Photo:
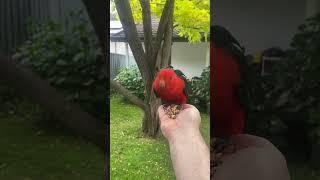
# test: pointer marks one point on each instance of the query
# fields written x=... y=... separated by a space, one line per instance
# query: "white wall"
x=118 y=48
x=313 y=7
x=260 y=24
x=123 y=48
x=190 y=58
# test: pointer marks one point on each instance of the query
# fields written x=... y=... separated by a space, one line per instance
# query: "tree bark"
x=147 y=28
x=167 y=44
x=150 y=125
x=98 y=13
x=166 y=15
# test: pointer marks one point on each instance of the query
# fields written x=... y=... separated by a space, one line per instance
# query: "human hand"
x=189 y=153
x=255 y=158
x=187 y=121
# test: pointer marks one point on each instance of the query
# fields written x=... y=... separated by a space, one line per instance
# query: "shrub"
x=131 y=79
x=289 y=103
x=200 y=90
x=70 y=59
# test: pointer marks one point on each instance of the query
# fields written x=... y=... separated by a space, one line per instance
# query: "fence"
x=14 y=15
x=118 y=61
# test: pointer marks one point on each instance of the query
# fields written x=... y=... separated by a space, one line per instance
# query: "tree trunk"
x=150 y=125
x=155 y=57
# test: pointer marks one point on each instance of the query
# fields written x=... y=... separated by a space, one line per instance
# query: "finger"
x=187 y=106
x=250 y=140
x=190 y=107
x=161 y=112
x=163 y=116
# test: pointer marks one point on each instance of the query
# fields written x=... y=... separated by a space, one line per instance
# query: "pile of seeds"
x=172 y=110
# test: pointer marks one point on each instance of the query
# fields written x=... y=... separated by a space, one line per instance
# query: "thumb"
x=161 y=112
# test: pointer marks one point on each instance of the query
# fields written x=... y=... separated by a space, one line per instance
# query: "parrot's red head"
x=169 y=87
x=166 y=79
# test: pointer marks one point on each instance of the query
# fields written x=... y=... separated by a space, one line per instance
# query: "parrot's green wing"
x=223 y=38
x=187 y=88
x=155 y=93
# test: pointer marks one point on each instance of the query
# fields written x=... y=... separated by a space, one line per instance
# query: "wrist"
x=184 y=136
x=190 y=155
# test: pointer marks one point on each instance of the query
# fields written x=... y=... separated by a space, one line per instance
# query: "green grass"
x=29 y=152
x=134 y=156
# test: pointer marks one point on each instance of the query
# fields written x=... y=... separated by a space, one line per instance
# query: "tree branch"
x=167 y=43
x=166 y=13
x=126 y=93
x=147 y=28
x=130 y=29
x=97 y=12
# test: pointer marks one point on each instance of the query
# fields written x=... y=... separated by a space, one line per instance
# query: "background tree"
x=191 y=18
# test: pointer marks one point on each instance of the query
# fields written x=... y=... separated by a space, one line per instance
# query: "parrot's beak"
x=162 y=84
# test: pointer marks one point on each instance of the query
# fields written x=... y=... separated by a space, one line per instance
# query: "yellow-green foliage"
x=191 y=17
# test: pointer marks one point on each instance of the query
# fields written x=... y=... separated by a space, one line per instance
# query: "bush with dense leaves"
x=69 y=59
x=200 y=90
x=287 y=109
x=130 y=78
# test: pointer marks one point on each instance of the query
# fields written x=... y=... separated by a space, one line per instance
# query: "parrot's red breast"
x=169 y=87
x=227 y=114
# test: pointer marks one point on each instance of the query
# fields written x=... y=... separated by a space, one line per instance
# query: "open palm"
x=187 y=120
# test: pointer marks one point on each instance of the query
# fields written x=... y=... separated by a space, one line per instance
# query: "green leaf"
x=78 y=57
x=61 y=62
x=88 y=83
x=191 y=17
x=60 y=80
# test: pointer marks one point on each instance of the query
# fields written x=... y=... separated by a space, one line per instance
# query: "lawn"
x=134 y=156
x=31 y=152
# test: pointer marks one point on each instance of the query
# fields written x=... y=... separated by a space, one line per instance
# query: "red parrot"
x=170 y=87
x=228 y=116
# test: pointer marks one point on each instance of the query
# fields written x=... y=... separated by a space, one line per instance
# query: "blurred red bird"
x=227 y=113
x=170 y=87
